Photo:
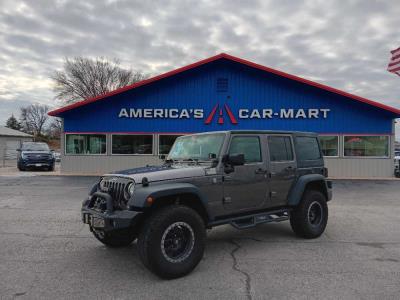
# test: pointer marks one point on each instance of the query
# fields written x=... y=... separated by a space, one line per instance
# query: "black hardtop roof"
x=272 y=132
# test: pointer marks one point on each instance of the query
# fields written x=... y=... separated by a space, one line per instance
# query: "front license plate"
x=38 y=165
x=97 y=222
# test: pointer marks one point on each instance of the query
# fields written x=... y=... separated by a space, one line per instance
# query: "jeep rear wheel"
x=309 y=218
x=172 y=241
x=120 y=238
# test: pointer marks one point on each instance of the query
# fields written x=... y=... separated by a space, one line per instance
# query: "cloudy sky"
x=344 y=44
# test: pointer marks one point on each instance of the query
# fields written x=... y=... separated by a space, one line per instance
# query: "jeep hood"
x=159 y=173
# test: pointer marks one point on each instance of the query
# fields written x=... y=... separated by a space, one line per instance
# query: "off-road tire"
x=303 y=222
x=51 y=169
x=21 y=169
x=152 y=241
x=115 y=239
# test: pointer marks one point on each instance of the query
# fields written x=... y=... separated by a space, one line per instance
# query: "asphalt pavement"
x=46 y=252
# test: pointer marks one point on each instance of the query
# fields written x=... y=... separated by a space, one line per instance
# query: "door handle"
x=290 y=168
x=260 y=171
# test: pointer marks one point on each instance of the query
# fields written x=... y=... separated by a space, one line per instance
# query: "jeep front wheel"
x=172 y=241
x=115 y=239
x=309 y=218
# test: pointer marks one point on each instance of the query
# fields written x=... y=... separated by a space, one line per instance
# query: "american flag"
x=394 y=63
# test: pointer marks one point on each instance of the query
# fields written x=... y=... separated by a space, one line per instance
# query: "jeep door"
x=246 y=187
x=282 y=167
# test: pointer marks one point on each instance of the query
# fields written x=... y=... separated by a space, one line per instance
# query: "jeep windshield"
x=201 y=147
x=35 y=147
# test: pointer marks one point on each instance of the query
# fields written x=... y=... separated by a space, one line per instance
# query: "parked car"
x=241 y=178
x=35 y=155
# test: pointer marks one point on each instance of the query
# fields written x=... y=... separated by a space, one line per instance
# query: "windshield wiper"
x=171 y=161
x=197 y=161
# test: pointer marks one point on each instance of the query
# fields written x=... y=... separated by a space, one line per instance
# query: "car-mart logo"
x=221 y=115
x=222 y=112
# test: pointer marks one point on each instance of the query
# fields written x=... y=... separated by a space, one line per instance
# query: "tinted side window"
x=280 y=148
x=247 y=145
x=307 y=148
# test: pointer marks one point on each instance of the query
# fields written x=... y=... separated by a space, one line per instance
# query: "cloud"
x=345 y=46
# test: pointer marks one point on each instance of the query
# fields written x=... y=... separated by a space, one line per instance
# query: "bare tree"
x=84 y=78
x=33 y=118
x=54 y=128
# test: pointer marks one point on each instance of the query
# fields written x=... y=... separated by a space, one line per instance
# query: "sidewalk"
x=14 y=172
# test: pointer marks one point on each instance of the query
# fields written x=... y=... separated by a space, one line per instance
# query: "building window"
x=132 y=144
x=85 y=144
x=165 y=143
x=307 y=148
x=280 y=148
x=247 y=145
x=329 y=145
x=366 y=146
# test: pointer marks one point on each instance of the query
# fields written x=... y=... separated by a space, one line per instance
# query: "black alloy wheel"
x=315 y=214
x=310 y=217
x=177 y=242
x=172 y=241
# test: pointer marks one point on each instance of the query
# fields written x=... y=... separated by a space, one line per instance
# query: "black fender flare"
x=298 y=188
x=141 y=194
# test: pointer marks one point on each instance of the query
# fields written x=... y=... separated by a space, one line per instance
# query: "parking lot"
x=46 y=252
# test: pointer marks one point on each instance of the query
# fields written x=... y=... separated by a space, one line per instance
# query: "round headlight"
x=131 y=188
x=102 y=184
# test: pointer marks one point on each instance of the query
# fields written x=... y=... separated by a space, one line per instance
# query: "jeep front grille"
x=116 y=187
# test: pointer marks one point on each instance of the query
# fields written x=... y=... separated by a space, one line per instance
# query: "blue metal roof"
x=241 y=97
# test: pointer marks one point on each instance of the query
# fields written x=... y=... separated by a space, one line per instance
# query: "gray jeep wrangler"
x=241 y=178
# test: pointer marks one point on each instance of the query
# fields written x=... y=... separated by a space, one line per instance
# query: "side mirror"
x=212 y=156
x=19 y=149
x=236 y=160
x=162 y=156
x=52 y=150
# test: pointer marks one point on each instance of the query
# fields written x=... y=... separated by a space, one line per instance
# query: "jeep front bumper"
x=108 y=220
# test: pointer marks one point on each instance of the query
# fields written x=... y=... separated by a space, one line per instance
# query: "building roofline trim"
x=58 y=111
x=5 y=131
x=192 y=132
x=17 y=136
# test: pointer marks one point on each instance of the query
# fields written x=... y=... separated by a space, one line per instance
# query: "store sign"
x=220 y=112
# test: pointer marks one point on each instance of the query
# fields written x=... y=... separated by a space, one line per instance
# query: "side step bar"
x=252 y=220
